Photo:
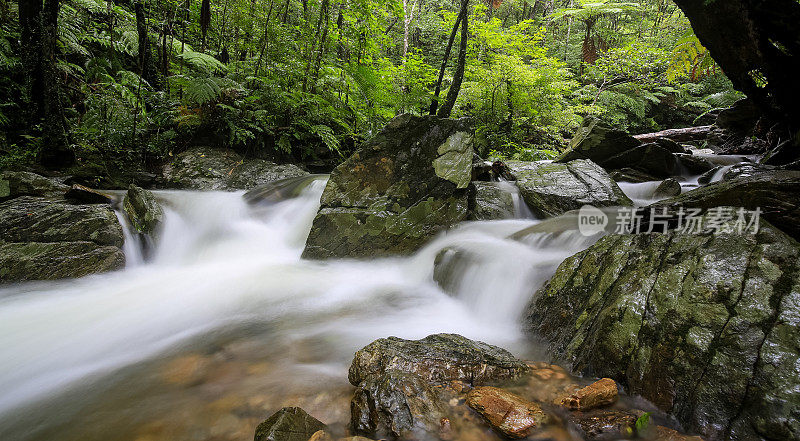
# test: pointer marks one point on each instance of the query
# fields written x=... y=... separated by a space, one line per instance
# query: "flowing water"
x=224 y=323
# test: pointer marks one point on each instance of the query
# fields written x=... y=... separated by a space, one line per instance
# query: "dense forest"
x=109 y=88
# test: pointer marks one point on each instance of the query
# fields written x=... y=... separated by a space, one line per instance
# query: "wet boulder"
x=491 y=201
x=205 y=168
x=397 y=404
x=53 y=239
x=396 y=191
x=288 y=424
x=703 y=325
x=143 y=210
x=399 y=391
x=551 y=189
x=437 y=358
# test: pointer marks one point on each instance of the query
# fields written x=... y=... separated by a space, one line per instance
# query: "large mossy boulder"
x=703 y=325
x=775 y=192
x=396 y=191
x=20 y=183
x=288 y=424
x=143 y=210
x=551 y=189
x=399 y=391
x=205 y=168
x=53 y=239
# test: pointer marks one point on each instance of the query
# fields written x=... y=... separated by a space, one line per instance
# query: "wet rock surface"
x=399 y=189
x=491 y=201
x=702 y=325
x=551 y=189
x=288 y=424
x=143 y=210
x=205 y=168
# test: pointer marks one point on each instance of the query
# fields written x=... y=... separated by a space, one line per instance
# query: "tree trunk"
x=146 y=68
x=435 y=102
x=39 y=32
x=458 y=75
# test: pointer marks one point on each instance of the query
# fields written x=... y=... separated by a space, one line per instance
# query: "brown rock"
x=509 y=414
x=598 y=394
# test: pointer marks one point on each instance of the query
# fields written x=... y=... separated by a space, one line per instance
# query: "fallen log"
x=678 y=135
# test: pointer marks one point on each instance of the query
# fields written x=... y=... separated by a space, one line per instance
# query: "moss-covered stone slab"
x=705 y=326
x=396 y=191
x=598 y=143
x=53 y=239
x=551 y=189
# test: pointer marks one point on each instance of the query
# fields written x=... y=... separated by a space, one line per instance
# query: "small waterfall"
x=640 y=193
x=521 y=209
x=226 y=284
x=133 y=245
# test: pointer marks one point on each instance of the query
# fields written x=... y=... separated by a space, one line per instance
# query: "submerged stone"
x=507 y=413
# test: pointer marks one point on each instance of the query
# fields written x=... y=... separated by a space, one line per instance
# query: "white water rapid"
x=226 y=323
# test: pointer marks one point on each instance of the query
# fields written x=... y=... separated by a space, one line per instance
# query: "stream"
x=224 y=323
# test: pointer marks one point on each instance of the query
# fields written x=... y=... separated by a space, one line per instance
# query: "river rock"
x=551 y=189
x=52 y=239
x=143 y=210
x=396 y=191
x=491 y=201
x=438 y=358
x=507 y=413
x=776 y=193
x=601 y=393
x=205 y=168
x=399 y=391
x=598 y=143
x=20 y=183
x=703 y=325
x=288 y=424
